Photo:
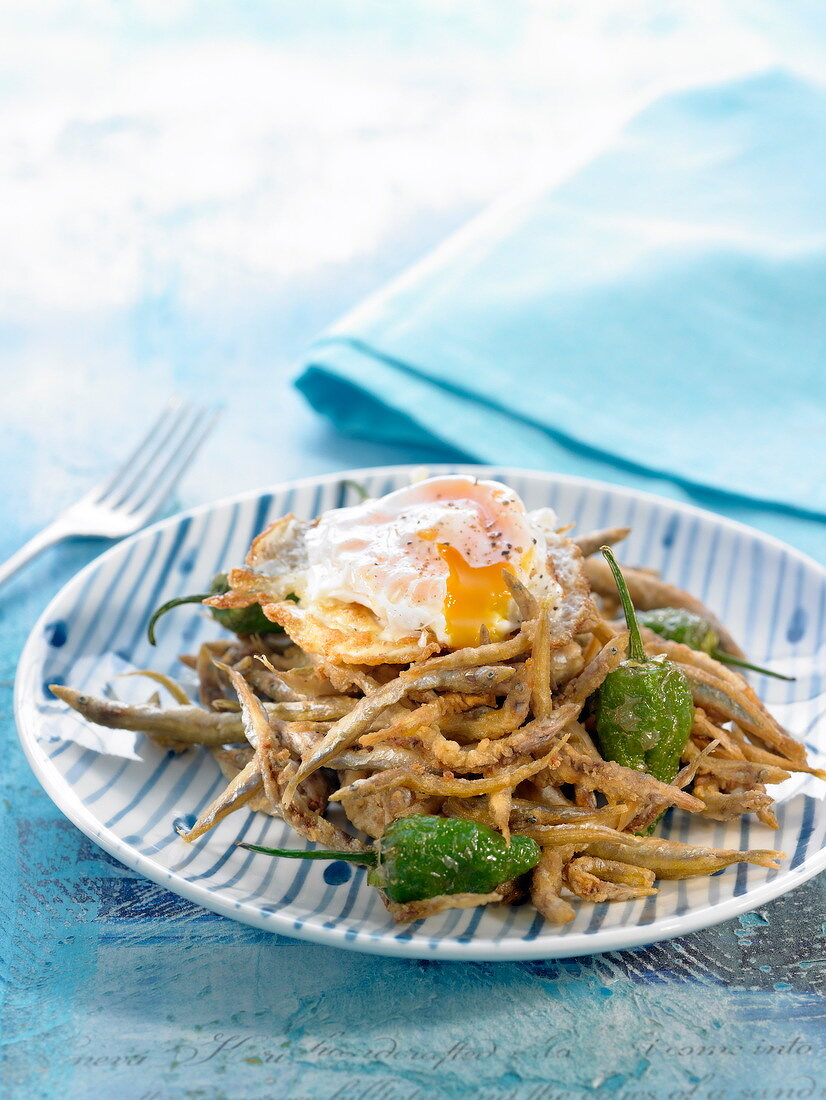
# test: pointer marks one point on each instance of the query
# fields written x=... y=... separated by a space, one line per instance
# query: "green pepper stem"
x=162 y=610
x=636 y=650
x=359 y=488
x=369 y=859
x=727 y=659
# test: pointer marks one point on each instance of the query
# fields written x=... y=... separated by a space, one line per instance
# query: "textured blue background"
x=189 y=193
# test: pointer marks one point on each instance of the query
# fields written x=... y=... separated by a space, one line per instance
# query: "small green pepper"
x=420 y=857
x=240 y=620
x=676 y=624
x=643 y=709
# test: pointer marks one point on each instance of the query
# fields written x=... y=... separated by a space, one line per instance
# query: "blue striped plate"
x=772 y=597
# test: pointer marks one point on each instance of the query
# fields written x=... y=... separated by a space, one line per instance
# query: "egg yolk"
x=475 y=595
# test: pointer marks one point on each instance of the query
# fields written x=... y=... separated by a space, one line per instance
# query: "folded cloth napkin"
x=663 y=310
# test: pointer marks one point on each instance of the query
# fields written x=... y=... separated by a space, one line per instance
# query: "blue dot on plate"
x=57 y=633
x=52 y=680
x=670 y=532
x=797 y=625
x=187 y=564
x=185 y=822
x=337 y=873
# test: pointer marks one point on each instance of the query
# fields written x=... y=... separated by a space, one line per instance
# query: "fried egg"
x=424 y=566
x=432 y=557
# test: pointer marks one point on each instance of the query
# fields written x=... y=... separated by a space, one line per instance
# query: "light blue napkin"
x=661 y=312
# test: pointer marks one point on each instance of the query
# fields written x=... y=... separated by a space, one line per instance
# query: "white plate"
x=772 y=597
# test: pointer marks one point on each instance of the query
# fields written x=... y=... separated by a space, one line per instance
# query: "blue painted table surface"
x=190 y=193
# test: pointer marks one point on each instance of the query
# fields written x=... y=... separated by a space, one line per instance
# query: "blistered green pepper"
x=676 y=624
x=420 y=857
x=643 y=709
x=240 y=620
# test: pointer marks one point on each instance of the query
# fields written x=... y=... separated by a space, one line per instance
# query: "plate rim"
x=575 y=944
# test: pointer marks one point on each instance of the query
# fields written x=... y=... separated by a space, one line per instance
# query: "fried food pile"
x=339 y=711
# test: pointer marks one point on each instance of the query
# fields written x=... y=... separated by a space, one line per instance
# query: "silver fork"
x=122 y=503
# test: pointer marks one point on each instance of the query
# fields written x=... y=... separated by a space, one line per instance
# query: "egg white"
x=384 y=554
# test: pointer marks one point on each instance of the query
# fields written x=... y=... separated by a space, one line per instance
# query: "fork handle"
x=55 y=532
